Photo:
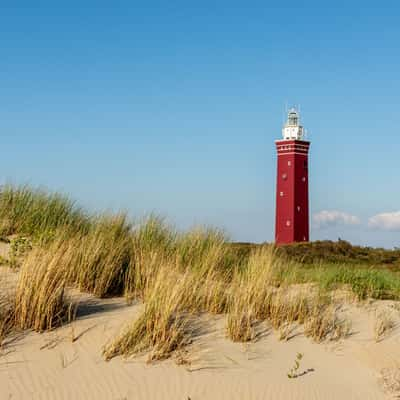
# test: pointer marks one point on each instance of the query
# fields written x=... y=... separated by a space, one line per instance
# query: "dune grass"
x=383 y=324
x=262 y=292
x=163 y=327
x=251 y=295
x=152 y=243
x=177 y=276
x=6 y=316
x=101 y=257
x=38 y=213
x=323 y=321
x=40 y=299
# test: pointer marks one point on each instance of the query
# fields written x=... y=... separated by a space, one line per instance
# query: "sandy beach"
x=67 y=363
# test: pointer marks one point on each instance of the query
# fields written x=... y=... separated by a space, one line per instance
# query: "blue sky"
x=173 y=108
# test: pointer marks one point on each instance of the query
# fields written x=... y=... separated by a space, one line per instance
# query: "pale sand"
x=51 y=366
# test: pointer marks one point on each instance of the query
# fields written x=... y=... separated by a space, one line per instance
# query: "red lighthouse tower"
x=292 y=214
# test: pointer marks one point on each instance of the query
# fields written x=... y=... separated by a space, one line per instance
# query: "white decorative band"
x=291 y=152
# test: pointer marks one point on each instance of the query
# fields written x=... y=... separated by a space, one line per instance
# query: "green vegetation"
x=38 y=214
x=342 y=252
x=329 y=252
x=368 y=272
x=364 y=282
x=293 y=372
x=56 y=245
x=19 y=246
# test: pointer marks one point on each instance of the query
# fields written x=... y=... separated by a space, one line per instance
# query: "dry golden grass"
x=163 y=327
x=40 y=302
x=212 y=295
x=100 y=258
x=210 y=268
x=324 y=323
x=250 y=296
x=203 y=253
x=240 y=324
x=6 y=316
x=288 y=306
x=383 y=324
x=153 y=244
x=256 y=297
x=175 y=274
x=188 y=276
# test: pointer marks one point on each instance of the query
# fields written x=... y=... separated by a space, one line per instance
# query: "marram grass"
x=100 y=258
x=6 y=316
x=40 y=298
x=177 y=276
x=38 y=213
x=163 y=327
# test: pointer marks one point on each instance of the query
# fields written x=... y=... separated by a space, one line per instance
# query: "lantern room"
x=292 y=130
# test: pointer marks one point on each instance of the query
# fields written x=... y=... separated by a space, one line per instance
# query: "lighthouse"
x=292 y=209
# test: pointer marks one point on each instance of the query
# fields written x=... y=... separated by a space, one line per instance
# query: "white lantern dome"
x=292 y=130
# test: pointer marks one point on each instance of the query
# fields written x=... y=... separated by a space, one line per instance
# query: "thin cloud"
x=326 y=219
x=385 y=221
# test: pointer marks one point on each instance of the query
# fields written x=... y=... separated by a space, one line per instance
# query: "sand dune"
x=67 y=363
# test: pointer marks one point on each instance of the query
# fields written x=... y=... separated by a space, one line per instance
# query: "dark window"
x=305 y=164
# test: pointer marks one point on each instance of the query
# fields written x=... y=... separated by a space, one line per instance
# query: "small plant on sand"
x=293 y=372
x=19 y=246
x=383 y=324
